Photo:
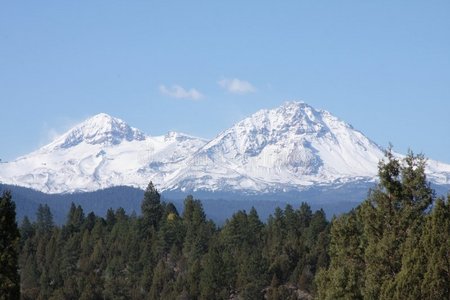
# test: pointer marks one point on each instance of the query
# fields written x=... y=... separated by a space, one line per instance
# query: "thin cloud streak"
x=237 y=86
x=178 y=92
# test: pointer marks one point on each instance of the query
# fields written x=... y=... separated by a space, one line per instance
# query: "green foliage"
x=152 y=209
x=9 y=248
x=162 y=255
x=393 y=213
x=44 y=220
x=436 y=244
x=344 y=278
x=213 y=278
x=391 y=247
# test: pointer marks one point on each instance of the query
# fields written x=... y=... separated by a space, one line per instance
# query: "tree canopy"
x=9 y=249
x=394 y=245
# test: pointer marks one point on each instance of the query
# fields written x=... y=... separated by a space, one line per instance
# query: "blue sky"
x=200 y=66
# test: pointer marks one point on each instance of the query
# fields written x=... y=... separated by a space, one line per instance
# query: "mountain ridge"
x=288 y=142
x=288 y=148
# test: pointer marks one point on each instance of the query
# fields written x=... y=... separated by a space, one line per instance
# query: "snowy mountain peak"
x=293 y=119
x=302 y=115
x=289 y=148
x=99 y=129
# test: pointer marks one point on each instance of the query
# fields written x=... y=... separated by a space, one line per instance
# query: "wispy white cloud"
x=176 y=91
x=237 y=86
x=50 y=132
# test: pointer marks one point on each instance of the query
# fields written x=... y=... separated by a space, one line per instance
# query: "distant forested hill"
x=218 y=207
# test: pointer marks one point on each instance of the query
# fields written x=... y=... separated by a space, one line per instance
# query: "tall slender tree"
x=152 y=209
x=9 y=249
x=44 y=220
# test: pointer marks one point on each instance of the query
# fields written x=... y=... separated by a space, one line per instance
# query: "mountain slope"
x=284 y=148
x=290 y=148
x=101 y=152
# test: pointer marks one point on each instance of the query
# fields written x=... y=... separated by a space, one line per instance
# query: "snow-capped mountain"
x=289 y=148
x=292 y=147
x=100 y=152
x=100 y=129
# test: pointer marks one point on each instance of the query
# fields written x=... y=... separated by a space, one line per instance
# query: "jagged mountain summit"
x=101 y=152
x=100 y=129
x=290 y=148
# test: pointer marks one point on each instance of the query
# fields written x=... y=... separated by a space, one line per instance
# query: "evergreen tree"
x=213 y=280
x=392 y=236
x=198 y=231
x=408 y=281
x=44 y=220
x=152 y=209
x=376 y=251
x=436 y=246
x=344 y=279
x=110 y=218
x=163 y=281
x=29 y=275
x=252 y=277
x=90 y=221
x=276 y=233
x=171 y=231
x=26 y=230
x=304 y=214
x=9 y=248
x=75 y=217
x=255 y=229
x=393 y=211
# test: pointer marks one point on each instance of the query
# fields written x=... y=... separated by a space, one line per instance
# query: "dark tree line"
x=395 y=245
x=166 y=255
x=9 y=248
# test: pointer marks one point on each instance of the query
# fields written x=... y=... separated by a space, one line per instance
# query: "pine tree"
x=436 y=245
x=213 y=280
x=198 y=230
x=171 y=232
x=409 y=280
x=152 y=209
x=394 y=211
x=276 y=233
x=198 y=233
x=344 y=279
x=44 y=220
x=304 y=215
x=75 y=217
x=26 y=230
x=252 y=276
x=110 y=218
x=9 y=248
x=29 y=275
x=255 y=229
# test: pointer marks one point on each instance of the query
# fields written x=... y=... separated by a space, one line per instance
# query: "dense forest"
x=394 y=245
x=163 y=254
